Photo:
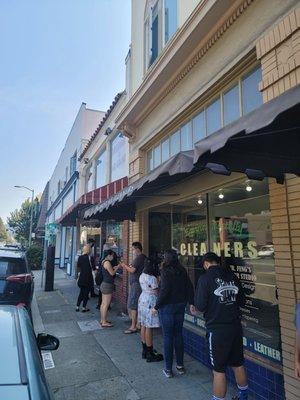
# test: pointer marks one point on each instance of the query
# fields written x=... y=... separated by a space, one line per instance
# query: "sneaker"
x=167 y=373
x=77 y=309
x=180 y=370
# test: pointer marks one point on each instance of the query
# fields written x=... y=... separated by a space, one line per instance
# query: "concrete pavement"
x=104 y=364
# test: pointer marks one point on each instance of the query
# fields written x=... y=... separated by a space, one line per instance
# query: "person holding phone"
x=135 y=269
x=107 y=286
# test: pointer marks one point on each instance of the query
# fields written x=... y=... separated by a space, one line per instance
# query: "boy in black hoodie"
x=219 y=296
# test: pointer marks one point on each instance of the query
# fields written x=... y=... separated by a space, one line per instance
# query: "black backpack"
x=99 y=276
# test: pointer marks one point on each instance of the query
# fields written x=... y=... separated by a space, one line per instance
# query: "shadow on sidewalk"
x=105 y=364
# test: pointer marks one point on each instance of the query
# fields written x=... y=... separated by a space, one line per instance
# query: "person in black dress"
x=85 y=279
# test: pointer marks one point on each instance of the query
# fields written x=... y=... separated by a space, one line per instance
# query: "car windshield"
x=12 y=266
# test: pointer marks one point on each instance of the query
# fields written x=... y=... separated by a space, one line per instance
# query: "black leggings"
x=83 y=296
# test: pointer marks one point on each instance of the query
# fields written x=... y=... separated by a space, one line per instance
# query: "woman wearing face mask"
x=107 y=286
x=176 y=290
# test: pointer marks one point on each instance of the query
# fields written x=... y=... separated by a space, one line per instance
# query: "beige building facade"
x=200 y=66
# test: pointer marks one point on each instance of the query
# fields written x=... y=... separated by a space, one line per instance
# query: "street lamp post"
x=31 y=210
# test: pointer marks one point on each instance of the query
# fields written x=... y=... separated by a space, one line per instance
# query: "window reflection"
x=231 y=105
x=199 y=130
x=186 y=137
x=251 y=96
x=213 y=117
x=175 y=143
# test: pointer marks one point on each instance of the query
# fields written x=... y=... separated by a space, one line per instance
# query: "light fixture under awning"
x=263 y=143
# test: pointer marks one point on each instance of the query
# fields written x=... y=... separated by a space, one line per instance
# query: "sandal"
x=129 y=331
x=107 y=325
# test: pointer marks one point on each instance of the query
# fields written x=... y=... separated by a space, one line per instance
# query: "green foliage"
x=4 y=237
x=35 y=256
x=19 y=221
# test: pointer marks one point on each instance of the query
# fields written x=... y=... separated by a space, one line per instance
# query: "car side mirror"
x=47 y=342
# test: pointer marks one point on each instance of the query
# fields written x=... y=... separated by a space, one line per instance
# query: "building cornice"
x=133 y=114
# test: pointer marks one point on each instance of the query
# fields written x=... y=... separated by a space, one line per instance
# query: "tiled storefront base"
x=263 y=383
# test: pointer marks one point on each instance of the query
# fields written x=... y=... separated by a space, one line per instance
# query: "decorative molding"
x=129 y=132
x=217 y=34
x=231 y=19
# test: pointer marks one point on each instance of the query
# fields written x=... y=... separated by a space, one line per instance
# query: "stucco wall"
x=99 y=144
x=185 y=8
x=84 y=125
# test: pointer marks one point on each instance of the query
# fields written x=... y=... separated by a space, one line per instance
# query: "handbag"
x=99 y=277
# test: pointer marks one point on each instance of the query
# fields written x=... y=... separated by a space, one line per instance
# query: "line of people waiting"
x=160 y=301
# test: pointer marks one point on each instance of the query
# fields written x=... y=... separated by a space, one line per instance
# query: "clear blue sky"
x=55 y=54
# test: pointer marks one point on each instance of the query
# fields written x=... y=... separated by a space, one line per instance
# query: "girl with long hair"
x=176 y=290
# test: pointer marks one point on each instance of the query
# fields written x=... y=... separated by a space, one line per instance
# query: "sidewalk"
x=104 y=364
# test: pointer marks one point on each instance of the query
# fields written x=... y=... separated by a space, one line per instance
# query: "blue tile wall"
x=263 y=383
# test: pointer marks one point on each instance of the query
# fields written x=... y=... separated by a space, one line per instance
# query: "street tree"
x=19 y=221
x=4 y=236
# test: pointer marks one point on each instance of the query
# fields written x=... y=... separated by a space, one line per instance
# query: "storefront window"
x=241 y=225
x=114 y=238
x=235 y=222
x=68 y=243
x=189 y=229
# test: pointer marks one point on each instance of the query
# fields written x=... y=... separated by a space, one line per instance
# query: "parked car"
x=16 y=278
x=22 y=374
x=266 y=251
